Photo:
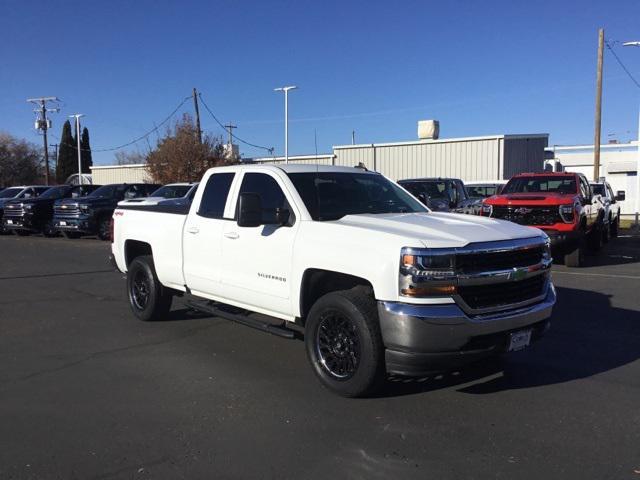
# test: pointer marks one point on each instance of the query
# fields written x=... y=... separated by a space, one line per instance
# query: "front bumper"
x=80 y=225
x=424 y=339
x=19 y=223
x=562 y=240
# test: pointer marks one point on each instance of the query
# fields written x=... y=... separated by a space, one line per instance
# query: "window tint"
x=270 y=192
x=598 y=189
x=215 y=195
x=539 y=184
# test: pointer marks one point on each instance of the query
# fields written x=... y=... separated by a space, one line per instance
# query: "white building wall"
x=617 y=164
x=104 y=175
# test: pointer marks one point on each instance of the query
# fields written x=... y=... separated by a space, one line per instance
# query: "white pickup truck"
x=377 y=283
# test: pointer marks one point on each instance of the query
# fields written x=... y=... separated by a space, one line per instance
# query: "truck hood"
x=441 y=230
x=536 y=198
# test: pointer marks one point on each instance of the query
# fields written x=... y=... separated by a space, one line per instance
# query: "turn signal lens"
x=442 y=290
x=408 y=260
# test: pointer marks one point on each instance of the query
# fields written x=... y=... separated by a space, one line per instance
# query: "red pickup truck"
x=561 y=204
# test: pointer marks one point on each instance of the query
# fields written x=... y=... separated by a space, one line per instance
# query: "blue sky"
x=375 y=67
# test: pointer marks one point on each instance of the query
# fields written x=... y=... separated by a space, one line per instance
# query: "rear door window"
x=214 y=197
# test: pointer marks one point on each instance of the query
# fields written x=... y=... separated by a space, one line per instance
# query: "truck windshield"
x=106 y=191
x=598 y=189
x=55 y=192
x=10 y=192
x=171 y=191
x=332 y=195
x=541 y=184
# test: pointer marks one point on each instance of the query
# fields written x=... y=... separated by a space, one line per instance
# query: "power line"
x=268 y=149
x=622 y=64
x=142 y=137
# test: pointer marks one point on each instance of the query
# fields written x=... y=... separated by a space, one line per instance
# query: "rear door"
x=202 y=254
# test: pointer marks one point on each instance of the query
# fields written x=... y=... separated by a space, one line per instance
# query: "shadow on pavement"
x=588 y=337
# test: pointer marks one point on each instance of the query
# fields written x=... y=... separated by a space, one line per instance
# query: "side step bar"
x=213 y=309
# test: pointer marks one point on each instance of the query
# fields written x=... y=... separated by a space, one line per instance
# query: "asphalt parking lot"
x=88 y=392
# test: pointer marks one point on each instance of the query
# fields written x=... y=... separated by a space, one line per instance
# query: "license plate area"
x=63 y=224
x=519 y=340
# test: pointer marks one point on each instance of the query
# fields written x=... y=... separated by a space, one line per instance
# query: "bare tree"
x=21 y=162
x=179 y=157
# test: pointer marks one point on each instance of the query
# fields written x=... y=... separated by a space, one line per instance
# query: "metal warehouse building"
x=106 y=174
x=471 y=158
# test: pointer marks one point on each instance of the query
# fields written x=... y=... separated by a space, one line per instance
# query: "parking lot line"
x=632 y=277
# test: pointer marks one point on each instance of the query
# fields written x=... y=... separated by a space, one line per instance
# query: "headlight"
x=487 y=209
x=567 y=213
x=28 y=206
x=85 y=208
x=426 y=275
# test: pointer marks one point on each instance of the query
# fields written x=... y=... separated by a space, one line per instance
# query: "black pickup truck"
x=35 y=214
x=91 y=215
x=440 y=194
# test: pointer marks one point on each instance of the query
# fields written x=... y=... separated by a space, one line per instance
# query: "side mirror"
x=423 y=198
x=27 y=195
x=249 y=210
x=620 y=196
x=282 y=216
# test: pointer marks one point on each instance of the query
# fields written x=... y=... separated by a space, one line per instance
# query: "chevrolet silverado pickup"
x=16 y=193
x=611 y=207
x=440 y=194
x=561 y=204
x=376 y=282
x=35 y=215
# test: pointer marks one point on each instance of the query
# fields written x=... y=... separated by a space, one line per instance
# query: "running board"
x=212 y=309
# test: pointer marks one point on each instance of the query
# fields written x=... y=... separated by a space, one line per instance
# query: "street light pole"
x=77 y=117
x=637 y=44
x=286 y=118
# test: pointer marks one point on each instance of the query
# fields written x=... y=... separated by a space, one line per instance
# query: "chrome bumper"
x=422 y=339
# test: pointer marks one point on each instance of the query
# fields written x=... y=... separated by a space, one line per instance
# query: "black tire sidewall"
x=154 y=308
x=103 y=228
x=371 y=358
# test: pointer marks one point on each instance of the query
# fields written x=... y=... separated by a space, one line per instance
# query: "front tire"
x=615 y=226
x=575 y=258
x=104 y=229
x=48 y=230
x=149 y=300
x=344 y=344
x=72 y=235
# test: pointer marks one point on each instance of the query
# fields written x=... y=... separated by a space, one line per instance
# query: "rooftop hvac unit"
x=428 y=129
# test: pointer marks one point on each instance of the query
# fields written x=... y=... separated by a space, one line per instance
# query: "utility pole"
x=596 y=140
x=286 y=118
x=230 y=128
x=353 y=137
x=42 y=124
x=55 y=155
x=195 y=104
x=77 y=117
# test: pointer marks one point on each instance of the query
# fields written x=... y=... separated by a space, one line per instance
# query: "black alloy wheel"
x=148 y=298
x=104 y=231
x=337 y=344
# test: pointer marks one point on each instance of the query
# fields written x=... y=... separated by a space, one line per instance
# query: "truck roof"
x=428 y=179
x=546 y=174
x=292 y=168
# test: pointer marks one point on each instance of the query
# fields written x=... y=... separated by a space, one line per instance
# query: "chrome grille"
x=499 y=260
x=503 y=294
x=14 y=210
x=66 y=210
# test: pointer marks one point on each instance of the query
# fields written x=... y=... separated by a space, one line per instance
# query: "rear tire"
x=149 y=300
x=344 y=344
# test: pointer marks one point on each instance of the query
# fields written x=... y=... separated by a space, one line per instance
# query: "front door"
x=257 y=260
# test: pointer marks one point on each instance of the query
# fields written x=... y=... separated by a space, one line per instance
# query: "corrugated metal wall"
x=304 y=159
x=120 y=174
x=523 y=154
x=473 y=159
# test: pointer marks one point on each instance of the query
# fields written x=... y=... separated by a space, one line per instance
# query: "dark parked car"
x=440 y=194
x=23 y=192
x=35 y=214
x=91 y=215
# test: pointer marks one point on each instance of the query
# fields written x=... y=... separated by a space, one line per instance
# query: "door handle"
x=193 y=230
x=231 y=235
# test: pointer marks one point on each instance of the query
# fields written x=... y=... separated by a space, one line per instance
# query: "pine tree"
x=85 y=147
x=67 y=159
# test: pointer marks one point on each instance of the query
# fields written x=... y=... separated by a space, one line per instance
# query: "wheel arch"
x=318 y=282
x=134 y=249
